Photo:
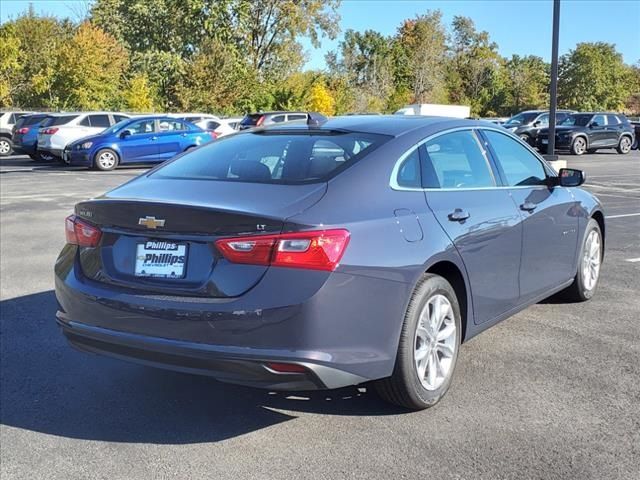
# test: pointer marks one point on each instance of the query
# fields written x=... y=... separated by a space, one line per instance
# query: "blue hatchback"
x=150 y=139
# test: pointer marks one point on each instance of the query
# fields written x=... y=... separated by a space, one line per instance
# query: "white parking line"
x=633 y=260
x=623 y=215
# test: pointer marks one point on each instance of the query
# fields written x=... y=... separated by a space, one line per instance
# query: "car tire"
x=45 y=157
x=525 y=138
x=589 y=261
x=105 y=160
x=426 y=359
x=6 y=146
x=624 y=146
x=578 y=146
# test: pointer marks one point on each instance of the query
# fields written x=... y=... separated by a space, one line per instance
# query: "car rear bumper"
x=343 y=329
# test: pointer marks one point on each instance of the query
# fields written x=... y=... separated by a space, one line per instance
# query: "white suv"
x=7 y=121
x=69 y=127
x=219 y=126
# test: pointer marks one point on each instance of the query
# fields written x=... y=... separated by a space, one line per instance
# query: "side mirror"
x=536 y=124
x=570 y=177
x=125 y=133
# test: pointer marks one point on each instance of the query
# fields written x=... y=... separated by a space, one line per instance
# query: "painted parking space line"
x=633 y=260
x=623 y=215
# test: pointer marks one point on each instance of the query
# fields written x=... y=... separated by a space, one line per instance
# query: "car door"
x=614 y=129
x=171 y=136
x=549 y=216
x=478 y=216
x=140 y=145
x=597 y=131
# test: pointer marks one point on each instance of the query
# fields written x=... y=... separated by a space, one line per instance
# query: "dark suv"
x=263 y=119
x=528 y=124
x=588 y=132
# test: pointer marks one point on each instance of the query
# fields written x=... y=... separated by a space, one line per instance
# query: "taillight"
x=50 y=131
x=23 y=130
x=81 y=233
x=213 y=134
x=260 y=121
x=280 y=367
x=315 y=250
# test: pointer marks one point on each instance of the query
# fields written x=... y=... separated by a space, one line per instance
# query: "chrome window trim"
x=393 y=181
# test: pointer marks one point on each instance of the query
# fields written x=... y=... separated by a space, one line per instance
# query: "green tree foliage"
x=10 y=64
x=594 y=77
x=90 y=69
x=138 y=96
x=525 y=83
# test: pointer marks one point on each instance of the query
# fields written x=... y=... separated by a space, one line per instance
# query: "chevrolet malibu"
x=298 y=257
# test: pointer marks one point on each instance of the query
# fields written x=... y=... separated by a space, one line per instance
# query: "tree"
x=90 y=69
x=10 y=64
x=593 y=76
x=473 y=71
x=421 y=57
x=525 y=83
x=139 y=95
x=320 y=100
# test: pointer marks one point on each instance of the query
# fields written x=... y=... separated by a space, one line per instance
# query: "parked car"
x=7 y=121
x=233 y=122
x=25 y=134
x=149 y=139
x=68 y=127
x=455 y=111
x=264 y=119
x=528 y=124
x=496 y=120
x=211 y=123
x=588 y=132
x=310 y=257
x=636 y=129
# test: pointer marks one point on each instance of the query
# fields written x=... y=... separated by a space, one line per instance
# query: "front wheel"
x=579 y=146
x=428 y=348
x=105 y=160
x=6 y=146
x=624 y=146
x=525 y=138
x=589 y=261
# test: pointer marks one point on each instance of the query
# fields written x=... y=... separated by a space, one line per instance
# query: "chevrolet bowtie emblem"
x=151 y=222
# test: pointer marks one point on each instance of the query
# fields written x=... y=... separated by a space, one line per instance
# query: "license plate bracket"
x=161 y=259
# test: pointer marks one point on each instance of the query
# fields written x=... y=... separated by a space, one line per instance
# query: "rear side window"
x=296 y=116
x=613 y=120
x=285 y=158
x=455 y=160
x=519 y=165
x=277 y=118
x=101 y=121
x=119 y=118
x=85 y=122
x=171 y=125
x=409 y=172
x=212 y=125
x=62 y=120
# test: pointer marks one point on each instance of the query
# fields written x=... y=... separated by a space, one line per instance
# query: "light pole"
x=553 y=94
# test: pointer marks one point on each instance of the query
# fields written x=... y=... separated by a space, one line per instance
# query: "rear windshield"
x=61 y=120
x=251 y=119
x=270 y=157
x=30 y=120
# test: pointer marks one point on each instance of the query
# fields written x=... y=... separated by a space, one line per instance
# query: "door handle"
x=458 y=215
x=153 y=138
x=183 y=134
x=528 y=206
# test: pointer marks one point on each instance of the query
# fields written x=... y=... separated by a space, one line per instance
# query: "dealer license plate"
x=160 y=259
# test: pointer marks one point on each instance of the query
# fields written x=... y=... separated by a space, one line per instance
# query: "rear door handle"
x=458 y=215
x=153 y=138
x=528 y=206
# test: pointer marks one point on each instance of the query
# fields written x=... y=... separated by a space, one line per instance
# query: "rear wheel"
x=428 y=348
x=589 y=261
x=6 y=146
x=45 y=157
x=624 y=146
x=105 y=160
x=579 y=146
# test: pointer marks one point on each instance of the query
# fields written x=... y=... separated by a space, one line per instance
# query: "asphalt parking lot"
x=553 y=392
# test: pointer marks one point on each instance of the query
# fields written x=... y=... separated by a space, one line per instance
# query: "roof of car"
x=394 y=125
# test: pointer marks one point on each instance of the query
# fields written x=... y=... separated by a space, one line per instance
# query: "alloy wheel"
x=579 y=146
x=107 y=160
x=435 y=342
x=625 y=145
x=591 y=260
x=5 y=147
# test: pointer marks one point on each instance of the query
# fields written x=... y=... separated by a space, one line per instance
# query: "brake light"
x=260 y=121
x=23 y=130
x=79 y=232
x=280 y=367
x=50 y=131
x=315 y=250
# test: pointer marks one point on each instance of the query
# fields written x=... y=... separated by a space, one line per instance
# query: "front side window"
x=455 y=160
x=264 y=157
x=141 y=127
x=543 y=119
x=519 y=165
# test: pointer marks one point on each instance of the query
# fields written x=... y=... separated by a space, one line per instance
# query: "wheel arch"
x=453 y=274
x=598 y=216
x=583 y=135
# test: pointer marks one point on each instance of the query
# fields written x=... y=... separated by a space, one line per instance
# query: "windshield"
x=274 y=157
x=578 y=119
x=522 y=118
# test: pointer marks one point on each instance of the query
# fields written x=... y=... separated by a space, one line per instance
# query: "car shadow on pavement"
x=46 y=386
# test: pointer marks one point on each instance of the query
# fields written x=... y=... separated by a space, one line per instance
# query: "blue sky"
x=518 y=26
